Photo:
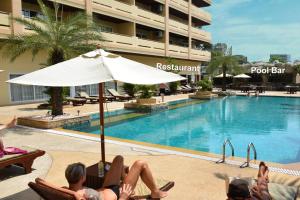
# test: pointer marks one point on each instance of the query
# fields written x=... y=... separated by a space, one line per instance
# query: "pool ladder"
x=247 y=163
x=227 y=141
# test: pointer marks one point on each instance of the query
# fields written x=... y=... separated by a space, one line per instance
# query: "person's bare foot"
x=12 y=123
x=159 y=194
x=261 y=169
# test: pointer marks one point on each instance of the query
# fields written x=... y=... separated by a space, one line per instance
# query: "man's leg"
x=113 y=176
x=141 y=169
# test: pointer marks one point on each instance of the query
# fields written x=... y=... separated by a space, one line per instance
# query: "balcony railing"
x=201 y=35
x=178 y=51
x=149 y=18
x=5 y=24
x=132 y=44
x=4 y=19
x=197 y=54
x=178 y=27
x=72 y=3
x=201 y=14
x=129 y=12
x=179 y=5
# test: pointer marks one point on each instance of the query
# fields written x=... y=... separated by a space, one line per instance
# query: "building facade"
x=148 y=31
x=285 y=58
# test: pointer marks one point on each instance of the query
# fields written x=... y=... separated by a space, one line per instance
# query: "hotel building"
x=148 y=31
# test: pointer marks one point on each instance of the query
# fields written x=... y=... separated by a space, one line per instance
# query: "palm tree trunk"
x=57 y=56
x=57 y=101
x=224 y=78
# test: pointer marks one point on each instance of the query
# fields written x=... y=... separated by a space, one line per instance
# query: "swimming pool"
x=271 y=123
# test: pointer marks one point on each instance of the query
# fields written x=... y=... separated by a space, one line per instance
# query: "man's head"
x=76 y=173
x=239 y=190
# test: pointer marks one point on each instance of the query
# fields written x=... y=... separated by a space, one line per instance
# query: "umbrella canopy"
x=242 y=76
x=95 y=67
x=1 y=70
x=221 y=75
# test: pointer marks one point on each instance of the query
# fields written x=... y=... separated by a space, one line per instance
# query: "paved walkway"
x=8 y=112
x=195 y=178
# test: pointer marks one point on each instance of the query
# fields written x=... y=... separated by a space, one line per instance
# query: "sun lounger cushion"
x=276 y=190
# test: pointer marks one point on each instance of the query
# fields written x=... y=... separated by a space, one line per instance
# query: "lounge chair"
x=185 y=89
x=22 y=160
x=84 y=95
x=277 y=191
x=76 y=101
x=114 y=93
x=50 y=192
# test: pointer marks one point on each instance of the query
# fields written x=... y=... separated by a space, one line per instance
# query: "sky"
x=257 y=28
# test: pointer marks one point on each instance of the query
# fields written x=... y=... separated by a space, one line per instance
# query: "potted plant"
x=146 y=92
x=205 y=91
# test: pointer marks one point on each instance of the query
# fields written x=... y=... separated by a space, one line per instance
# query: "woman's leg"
x=113 y=176
x=141 y=169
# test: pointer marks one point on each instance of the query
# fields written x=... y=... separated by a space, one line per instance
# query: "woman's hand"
x=125 y=192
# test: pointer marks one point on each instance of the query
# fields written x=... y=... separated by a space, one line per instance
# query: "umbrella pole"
x=101 y=115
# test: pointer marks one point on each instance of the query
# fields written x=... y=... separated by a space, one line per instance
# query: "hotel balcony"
x=201 y=35
x=129 y=12
x=125 y=43
x=201 y=15
x=73 y=3
x=197 y=54
x=180 y=5
x=202 y=3
x=178 y=27
x=5 y=24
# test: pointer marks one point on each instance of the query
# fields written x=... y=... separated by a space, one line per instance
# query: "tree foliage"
x=61 y=37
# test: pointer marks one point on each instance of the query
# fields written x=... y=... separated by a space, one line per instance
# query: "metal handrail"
x=227 y=141
x=247 y=163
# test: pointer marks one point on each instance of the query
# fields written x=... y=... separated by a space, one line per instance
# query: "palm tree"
x=61 y=37
x=225 y=61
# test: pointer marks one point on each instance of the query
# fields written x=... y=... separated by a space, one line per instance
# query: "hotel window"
x=106 y=29
x=23 y=93
x=93 y=90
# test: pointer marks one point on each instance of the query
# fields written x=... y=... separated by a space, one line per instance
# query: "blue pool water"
x=271 y=123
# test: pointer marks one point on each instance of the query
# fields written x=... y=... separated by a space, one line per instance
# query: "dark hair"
x=75 y=172
x=239 y=189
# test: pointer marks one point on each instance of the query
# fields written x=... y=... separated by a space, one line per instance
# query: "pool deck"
x=195 y=178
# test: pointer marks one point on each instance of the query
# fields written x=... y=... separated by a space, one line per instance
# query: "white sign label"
x=272 y=70
x=173 y=67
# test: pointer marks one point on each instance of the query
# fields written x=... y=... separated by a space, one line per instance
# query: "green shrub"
x=130 y=89
x=173 y=87
x=205 y=84
x=146 y=91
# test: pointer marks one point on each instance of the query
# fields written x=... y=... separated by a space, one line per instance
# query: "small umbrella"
x=221 y=75
x=97 y=67
x=242 y=76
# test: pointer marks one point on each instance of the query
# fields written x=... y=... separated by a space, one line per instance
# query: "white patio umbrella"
x=242 y=76
x=96 y=67
x=221 y=75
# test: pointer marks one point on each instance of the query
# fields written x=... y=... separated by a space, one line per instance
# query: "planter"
x=49 y=123
x=146 y=101
x=203 y=95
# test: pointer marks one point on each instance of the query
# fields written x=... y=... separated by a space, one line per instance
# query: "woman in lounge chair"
x=11 y=124
x=112 y=190
x=239 y=188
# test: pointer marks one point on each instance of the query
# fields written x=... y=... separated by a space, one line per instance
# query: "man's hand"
x=125 y=192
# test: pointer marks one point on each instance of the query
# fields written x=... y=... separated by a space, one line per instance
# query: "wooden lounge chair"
x=114 y=93
x=277 y=191
x=22 y=160
x=50 y=192
x=76 y=101
x=84 y=95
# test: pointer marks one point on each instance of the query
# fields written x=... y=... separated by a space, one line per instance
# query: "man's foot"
x=159 y=194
